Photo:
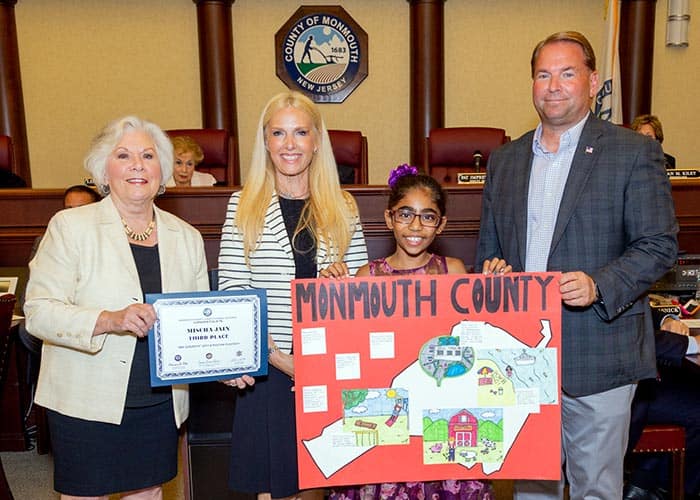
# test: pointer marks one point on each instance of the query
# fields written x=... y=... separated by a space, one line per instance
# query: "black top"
x=303 y=245
x=139 y=392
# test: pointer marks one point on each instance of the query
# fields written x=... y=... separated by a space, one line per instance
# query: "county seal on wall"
x=322 y=52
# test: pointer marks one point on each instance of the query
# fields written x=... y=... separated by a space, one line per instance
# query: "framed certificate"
x=205 y=336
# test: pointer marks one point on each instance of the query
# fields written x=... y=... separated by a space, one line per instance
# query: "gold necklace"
x=133 y=235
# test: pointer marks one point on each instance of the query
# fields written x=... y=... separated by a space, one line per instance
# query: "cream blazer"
x=83 y=266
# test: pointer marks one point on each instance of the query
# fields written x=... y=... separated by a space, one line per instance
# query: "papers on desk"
x=8 y=284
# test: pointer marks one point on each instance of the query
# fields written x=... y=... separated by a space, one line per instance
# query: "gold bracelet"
x=271 y=350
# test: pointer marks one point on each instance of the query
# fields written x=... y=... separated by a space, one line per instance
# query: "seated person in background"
x=74 y=196
x=79 y=195
x=672 y=398
x=346 y=174
x=650 y=126
x=188 y=154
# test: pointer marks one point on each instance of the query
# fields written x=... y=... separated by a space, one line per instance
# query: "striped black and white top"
x=272 y=265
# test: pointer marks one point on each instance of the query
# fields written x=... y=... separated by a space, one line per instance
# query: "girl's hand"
x=496 y=266
x=335 y=270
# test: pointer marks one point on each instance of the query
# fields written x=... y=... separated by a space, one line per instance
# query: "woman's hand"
x=282 y=361
x=241 y=382
x=136 y=318
x=335 y=270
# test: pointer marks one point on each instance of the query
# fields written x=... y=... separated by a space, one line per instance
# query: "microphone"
x=477 y=160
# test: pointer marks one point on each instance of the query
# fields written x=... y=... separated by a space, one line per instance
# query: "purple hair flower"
x=399 y=172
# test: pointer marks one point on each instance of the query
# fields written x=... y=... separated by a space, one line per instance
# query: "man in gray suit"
x=591 y=200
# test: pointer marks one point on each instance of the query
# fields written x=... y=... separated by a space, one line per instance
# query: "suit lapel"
x=584 y=160
x=113 y=238
x=167 y=245
x=521 y=179
x=274 y=215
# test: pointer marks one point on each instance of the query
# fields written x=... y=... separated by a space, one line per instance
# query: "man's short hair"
x=80 y=188
x=566 y=36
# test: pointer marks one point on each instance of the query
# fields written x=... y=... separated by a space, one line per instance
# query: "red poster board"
x=413 y=378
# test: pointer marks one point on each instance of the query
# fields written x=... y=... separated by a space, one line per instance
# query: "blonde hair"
x=329 y=214
x=185 y=144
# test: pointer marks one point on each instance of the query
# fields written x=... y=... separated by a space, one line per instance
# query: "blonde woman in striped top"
x=290 y=220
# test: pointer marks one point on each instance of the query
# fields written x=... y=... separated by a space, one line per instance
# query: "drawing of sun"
x=391 y=393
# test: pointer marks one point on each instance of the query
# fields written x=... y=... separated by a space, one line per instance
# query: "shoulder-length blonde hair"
x=329 y=213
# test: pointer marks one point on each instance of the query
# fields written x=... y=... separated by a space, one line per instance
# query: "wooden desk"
x=25 y=213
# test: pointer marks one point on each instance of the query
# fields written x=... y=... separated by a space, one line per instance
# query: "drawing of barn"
x=463 y=427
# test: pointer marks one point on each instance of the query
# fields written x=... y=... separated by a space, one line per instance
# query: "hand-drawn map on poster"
x=411 y=378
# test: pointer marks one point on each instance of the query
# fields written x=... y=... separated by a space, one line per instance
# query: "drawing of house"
x=463 y=427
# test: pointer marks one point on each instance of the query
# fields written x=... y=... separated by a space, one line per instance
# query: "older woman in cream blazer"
x=111 y=432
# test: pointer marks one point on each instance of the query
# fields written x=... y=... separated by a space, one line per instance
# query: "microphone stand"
x=477 y=161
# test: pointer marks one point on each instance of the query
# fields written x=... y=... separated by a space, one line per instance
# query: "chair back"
x=350 y=151
x=7 y=306
x=450 y=151
x=219 y=153
x=7 y=158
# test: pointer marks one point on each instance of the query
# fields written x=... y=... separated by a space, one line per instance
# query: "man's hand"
x=673 y=325
x=577 y=289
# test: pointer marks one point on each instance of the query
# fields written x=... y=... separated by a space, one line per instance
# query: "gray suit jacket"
x=616 y=223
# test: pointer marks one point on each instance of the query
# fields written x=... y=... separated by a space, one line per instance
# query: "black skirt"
x=97 y=458
x=263 y=445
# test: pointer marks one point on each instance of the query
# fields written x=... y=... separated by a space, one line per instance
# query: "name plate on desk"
x=470 y=178
x=683 y=173
x=205 y=336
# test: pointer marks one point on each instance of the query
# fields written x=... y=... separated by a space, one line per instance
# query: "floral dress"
x=449 y=489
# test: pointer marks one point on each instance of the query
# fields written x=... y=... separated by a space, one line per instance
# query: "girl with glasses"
x=416 y=215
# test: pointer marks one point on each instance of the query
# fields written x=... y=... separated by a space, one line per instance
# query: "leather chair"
x=666 y=438
x=219 y=153
x=450 y=151
x=7 y=305
x=7 y=158
x=350 y=151
x=9 y=176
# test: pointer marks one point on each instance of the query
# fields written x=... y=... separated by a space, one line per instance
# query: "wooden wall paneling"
x=25 y=213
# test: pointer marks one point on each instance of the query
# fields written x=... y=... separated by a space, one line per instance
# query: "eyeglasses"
x=427 y=219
